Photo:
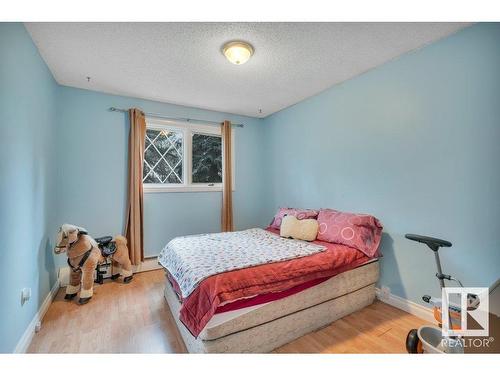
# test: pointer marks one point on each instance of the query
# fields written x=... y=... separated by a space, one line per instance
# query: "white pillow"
x=306 y=229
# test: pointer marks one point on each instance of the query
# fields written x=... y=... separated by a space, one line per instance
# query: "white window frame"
x=187 y=130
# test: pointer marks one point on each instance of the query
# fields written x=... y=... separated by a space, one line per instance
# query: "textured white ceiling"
x=181 y=63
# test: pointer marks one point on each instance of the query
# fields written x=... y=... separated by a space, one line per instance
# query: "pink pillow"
x=297 y=212
x=362 y=232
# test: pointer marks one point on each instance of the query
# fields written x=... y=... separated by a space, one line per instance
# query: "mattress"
x=229 y=323
x=255 y=285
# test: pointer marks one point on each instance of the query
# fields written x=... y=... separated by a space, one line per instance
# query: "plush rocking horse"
x=85 y=254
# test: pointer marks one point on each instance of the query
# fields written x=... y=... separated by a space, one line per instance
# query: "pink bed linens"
x=360 y=231
x=255 y=285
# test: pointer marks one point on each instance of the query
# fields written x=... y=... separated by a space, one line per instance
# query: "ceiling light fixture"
x=237 y=52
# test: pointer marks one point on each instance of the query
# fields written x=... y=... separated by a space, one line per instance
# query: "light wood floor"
x=135 y=318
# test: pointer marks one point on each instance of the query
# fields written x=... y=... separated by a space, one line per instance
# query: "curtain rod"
x=114 y=109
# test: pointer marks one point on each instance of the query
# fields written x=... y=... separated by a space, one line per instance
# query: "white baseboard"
x=25 y=340
x=413 y=308
x=149 y=264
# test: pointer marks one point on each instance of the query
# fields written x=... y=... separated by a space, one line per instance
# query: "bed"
x=260 y=306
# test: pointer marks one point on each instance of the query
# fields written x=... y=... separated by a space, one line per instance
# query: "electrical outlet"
x=385 y=292
x=25 y=295
x=38 y=326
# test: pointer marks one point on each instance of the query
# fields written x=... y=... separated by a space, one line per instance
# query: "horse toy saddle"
x=108 y=248
x=106 y=245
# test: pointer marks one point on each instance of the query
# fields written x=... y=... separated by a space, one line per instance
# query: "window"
x=182 y=157
x=207 y=158
x=163 y=156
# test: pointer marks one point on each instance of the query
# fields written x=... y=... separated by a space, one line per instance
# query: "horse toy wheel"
x=413 y=343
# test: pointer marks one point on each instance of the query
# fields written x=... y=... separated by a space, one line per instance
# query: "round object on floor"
x=413 y=344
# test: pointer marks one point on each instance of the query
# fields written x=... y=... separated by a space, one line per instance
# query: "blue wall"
x=92 y=149
x=28 y=96
x=416 y=142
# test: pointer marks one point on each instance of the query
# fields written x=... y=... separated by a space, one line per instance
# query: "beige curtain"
x=134 y=227
x=227 y=179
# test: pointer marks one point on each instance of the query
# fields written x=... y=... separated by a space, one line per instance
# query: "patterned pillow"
x=297 y=212
x=362 y=232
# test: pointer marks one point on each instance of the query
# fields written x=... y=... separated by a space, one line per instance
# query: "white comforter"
x=191 y=259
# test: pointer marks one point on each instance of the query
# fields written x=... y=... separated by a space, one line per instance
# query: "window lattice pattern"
x=163 y=157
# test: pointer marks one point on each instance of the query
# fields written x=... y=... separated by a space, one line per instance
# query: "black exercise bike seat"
x=433 y=243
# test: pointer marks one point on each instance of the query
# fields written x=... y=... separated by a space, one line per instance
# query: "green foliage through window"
x=207 y=158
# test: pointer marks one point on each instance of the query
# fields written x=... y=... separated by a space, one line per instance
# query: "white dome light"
x=237 y=52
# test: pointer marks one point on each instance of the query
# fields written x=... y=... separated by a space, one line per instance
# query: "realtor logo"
x=468 y=311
